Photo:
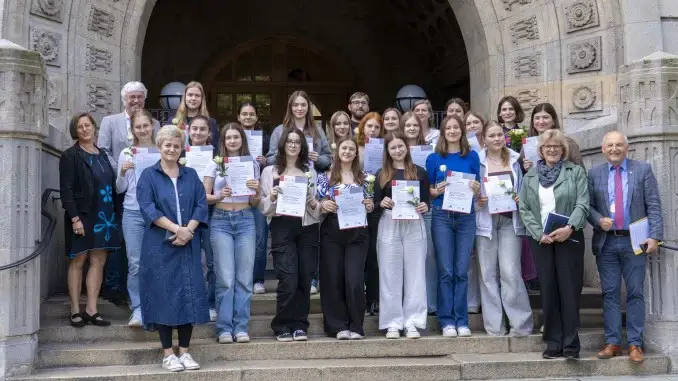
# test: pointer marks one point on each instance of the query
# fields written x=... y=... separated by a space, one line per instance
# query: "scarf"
x=548 y=175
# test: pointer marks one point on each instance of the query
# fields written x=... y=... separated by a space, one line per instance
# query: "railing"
x=46 y=236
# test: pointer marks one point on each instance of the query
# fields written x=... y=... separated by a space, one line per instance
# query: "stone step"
x=443 y=368
x=59 y=330
x=207 y=350
x=263 y=304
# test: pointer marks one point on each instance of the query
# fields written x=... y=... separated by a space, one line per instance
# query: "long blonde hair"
x=183 y=109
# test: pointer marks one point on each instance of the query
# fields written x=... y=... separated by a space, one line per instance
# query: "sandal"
x=78 y=323
x=96 y=319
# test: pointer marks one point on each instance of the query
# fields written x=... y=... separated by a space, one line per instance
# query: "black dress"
x=101 y=223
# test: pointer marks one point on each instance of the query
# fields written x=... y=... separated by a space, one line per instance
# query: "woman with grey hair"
x=173 y=204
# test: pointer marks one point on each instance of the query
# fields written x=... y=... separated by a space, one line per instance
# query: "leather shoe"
x=636 y=354
x=609 y=351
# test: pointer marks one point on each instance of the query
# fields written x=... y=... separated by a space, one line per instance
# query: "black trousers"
x=371 y=264
x=184 y=332
x=342 y=267
x=295 y=259
x=561 y=277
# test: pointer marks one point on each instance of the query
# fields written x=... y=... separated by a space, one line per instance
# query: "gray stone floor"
x=668 y=377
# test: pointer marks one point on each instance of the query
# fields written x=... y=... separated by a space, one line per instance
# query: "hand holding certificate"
x=420 y=154
x=350 y=208
x=240 y=169
x=292 y=198
x=374 y=155
x=458 y=193
x=144 y=158
x=406 y=197
x=198 y=158
x=499 y=191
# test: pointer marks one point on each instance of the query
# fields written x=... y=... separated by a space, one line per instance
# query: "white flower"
x=334 y=146
x=309 y=175
x=182 y=161
x=175 y=121
x=410 y=190
x=128 y=152
x=443 y=168
x=370 y=178
x=218 y=159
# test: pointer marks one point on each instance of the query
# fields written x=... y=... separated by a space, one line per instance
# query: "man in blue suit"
x=622 y=191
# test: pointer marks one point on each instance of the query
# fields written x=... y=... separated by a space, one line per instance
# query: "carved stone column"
x=648 y=114
x=23 y=125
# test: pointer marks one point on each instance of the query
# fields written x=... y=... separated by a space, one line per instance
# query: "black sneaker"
x=573 y=356
x=284 y=337
x=300 y=335
x=551 y=354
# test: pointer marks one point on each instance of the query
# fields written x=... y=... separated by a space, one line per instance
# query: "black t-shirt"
x=386 y=191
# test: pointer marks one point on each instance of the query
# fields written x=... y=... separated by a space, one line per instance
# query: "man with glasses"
x=358 y=106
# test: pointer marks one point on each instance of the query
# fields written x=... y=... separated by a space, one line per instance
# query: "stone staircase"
x=121 y=353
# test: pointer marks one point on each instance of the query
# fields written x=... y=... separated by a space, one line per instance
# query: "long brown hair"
x=441 y=146
x=281 y=156
x=331 y=134
x=504 y=150
x=420 y=136
x=335 y=170
x=388 y=170
x=137 y=115
x=244 y=148
x=183 y=109
x=520 y=114
x=360 y=136
x=309 y=123
x=547 y=108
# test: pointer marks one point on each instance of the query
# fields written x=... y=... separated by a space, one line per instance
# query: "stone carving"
x=508 y=4
x=49 y=9
x=585 y=97
x=581 y=14
x=47 y=44
x=99 y=98
x=54 y=91
x=527 y=65
x=101 y=22
x=528 y=98
x=24 y=94
x=525 y=29
x=585 y=56
x=99 y=59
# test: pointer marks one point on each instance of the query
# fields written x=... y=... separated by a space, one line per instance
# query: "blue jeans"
x=233 y=237
x=453 y=235
x=616 y=260
x=260 y=257
x=133 y=228
x=210 y=278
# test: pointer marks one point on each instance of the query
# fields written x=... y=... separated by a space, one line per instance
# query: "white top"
x=127 y=183
x=432 y=136
x=176 y=195
x=547 y=202
x=222 y=182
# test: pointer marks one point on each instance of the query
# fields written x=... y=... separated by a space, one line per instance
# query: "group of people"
x=197 y=252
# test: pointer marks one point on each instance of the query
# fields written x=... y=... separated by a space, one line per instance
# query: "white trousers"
x=503 y=250
x=401 y=251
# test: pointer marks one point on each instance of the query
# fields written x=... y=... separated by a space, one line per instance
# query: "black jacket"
x=76 y=181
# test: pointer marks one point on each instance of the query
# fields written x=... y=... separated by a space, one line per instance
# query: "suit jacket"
x=113 y=135
x=643 y=195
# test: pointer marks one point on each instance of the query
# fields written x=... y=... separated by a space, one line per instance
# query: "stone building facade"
x=604 y=64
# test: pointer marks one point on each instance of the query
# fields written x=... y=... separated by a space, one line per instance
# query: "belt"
x=619 y=233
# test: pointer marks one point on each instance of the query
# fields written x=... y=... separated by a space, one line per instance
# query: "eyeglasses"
x=553 y=147
x=292 y=143
x=359 y=103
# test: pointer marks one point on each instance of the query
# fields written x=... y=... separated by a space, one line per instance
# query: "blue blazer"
x=643 y=194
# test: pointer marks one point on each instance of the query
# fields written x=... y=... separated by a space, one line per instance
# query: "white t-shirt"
x=176 y=194
x=547 y=202
x=221 y=182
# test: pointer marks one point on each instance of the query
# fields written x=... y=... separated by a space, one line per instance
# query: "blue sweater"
x=454 y=162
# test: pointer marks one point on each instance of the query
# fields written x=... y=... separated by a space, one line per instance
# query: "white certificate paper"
x=420 y=154
x=350 y=209
x=292 y=201
x=400 y=191
x=530 y=149
x=458 y=194
x=473 y=141
x=374 y=155
x=309 y=142
x=255 y=142
x=239 y=170
x=640 y=232
x=199 y=157
x=498 y=200
x=144 y=158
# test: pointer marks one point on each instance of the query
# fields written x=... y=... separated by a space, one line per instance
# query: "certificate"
x=473 y=141
x=420 y=154
x=497 y=188
x=458 y=194
x=255 y=142
x=374 y=155
x=404 y=192
x=144 y=158
x=239 y=170
x=309 y=142
x=292 y=200
x=350 y=209
x=530 y=149
x=199 y=157
x=639 y=232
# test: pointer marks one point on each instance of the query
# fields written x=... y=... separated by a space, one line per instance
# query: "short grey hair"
x=626 y=139
x=133 y=86
x=169 y=131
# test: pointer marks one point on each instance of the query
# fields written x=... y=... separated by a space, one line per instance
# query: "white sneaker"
x=135 y=319
x=242 y=337
x=259 y=288
x=450 y=331
x=225 y=338
x=464 y=332
x=344 y=335
x=356 y=336
x=411 y=332
x=314 y=290
x=187 y=361
x=393 y=333
x=172 y=364
x=213 y=314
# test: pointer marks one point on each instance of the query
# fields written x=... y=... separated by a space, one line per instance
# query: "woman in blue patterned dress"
x=87 y=182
